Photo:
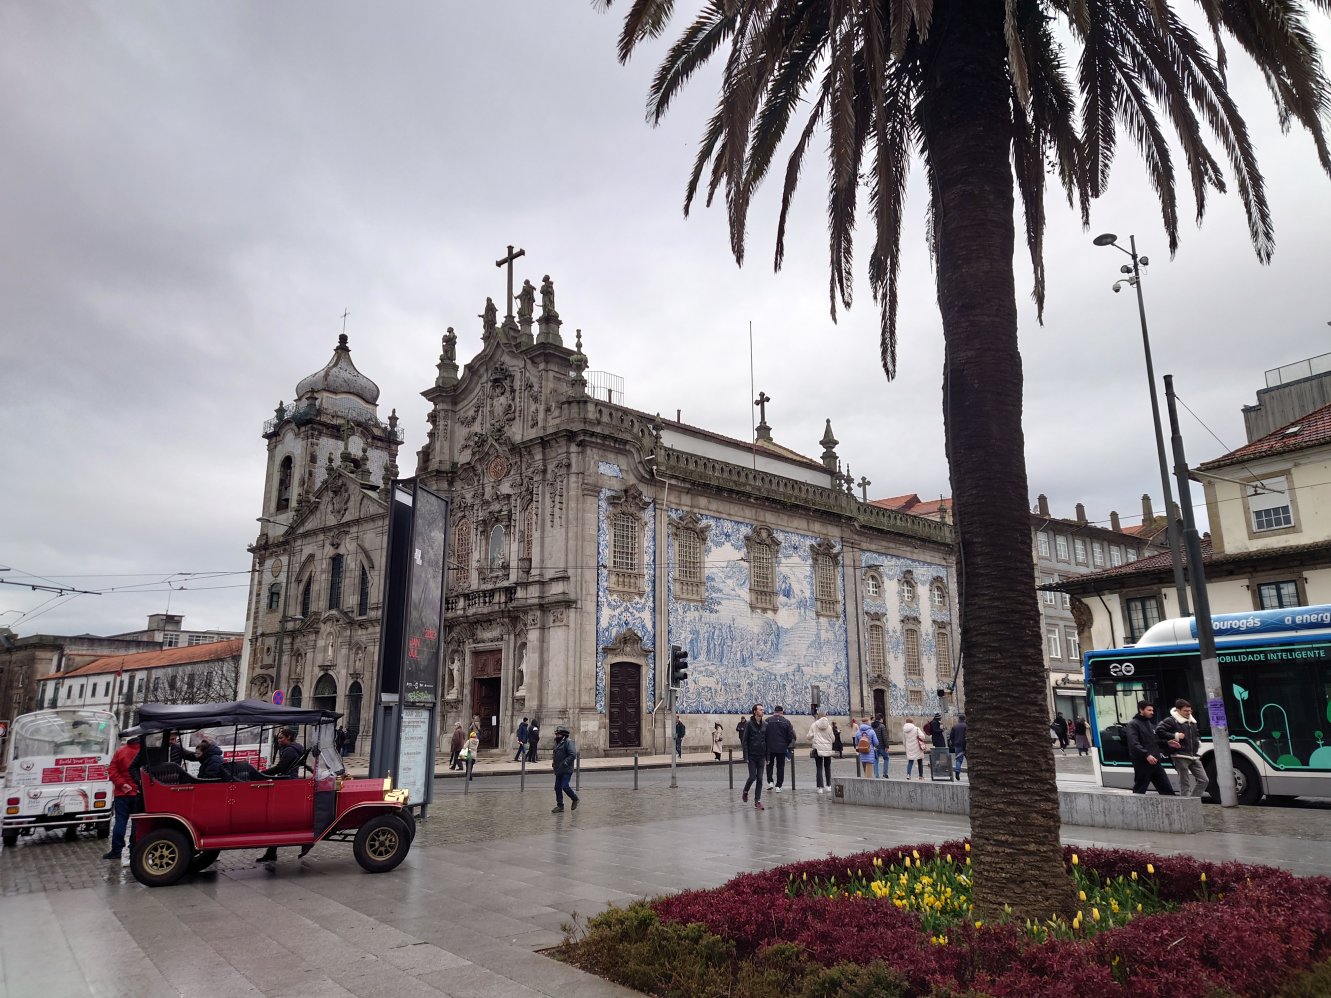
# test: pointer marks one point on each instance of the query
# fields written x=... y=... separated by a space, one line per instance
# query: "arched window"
x=873 y=585
x=689 y=563
x=325 y=693
x=938 y=593
x=877 y=655
x=305 y=597
x=275 y=596
x=762 y=546
x=351 y=719
x=284 y=484
x=826 y=592
x=335 y=582
x=943 y=643
x=911 y=640
x=462 y=553
x=908 y=591
x=626 y=547
x=498 y=546
x=363 y=599
x=295 y=699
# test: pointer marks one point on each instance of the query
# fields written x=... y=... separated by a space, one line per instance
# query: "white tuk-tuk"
x=57 y=773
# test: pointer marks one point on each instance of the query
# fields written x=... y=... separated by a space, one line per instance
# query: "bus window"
x=1115 y=706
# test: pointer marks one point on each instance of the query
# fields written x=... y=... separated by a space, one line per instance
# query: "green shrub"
x=850 y=980
x=1315 y=982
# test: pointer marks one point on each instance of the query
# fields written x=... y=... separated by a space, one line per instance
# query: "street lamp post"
x=1175 y=545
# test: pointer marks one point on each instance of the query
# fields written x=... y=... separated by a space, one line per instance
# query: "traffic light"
x=679 y=665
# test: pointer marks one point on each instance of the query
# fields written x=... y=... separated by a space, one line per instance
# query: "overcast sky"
x=191 y=195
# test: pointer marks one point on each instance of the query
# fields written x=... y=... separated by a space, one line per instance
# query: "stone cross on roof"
x=512 y=256
x=764 y=432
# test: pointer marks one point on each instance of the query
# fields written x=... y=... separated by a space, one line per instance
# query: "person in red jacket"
x=128 y=799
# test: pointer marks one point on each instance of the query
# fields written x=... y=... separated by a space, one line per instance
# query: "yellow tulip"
x=1203 y=878
x=1074 y=859
x=968 y=847
x=915 y=853
x=1081 y=895
x=1134 y=874
x=1095 y=914
x=1150 y=868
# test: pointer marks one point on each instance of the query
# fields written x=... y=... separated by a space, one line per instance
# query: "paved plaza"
x=491 y=879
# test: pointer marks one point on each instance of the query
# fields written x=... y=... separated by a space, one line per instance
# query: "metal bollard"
x=577 y=772
x=635 y=770
x=466 y=779
x=522 y=775
x=791 y=760
x=730 y=765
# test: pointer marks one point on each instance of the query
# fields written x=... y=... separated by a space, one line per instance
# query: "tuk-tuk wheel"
x=161 y=858
x=382 y=843
x=203 y=860
x=408 y=819
x=10 y=839
x=103 y=829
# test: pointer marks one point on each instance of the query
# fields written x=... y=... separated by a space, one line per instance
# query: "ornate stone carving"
x=627 y=644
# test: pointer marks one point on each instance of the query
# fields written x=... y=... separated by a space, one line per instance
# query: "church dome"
x=340 y=375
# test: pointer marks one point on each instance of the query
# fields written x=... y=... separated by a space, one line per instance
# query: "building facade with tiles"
x=586 y=539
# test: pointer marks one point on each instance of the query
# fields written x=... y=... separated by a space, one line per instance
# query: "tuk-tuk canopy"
x=175 y=716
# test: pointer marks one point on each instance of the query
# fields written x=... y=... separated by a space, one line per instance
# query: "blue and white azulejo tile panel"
x=614 y=614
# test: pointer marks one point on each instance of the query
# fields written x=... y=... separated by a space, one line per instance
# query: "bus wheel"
x=1247 y=785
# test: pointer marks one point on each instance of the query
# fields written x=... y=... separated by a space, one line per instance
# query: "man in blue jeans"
x=127 y=800
x=956 y=741
x=565 y=753
x=880 y=759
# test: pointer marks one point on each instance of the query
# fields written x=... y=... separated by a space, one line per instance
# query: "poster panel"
x=425 y=598
x=415 y=759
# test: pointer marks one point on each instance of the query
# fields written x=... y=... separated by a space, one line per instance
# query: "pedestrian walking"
x=470 y=749
x=739 y=733
x=1081 y=735
x=880 y=750
x=1144 y=751
x=1179 y=729
x=680 y=731
x=820 y=738
x=956 y=741
x=1059 y=726
x=562 y=759
x=934 y=730
x=533 y=739
x=127 y=798
x=753 y=737
x=913 y=738
x=837 y=745
x=866 y=743
x=520 y=737
x=718 y=738
x=455 y=744
x=780 y=746
x=340 y=739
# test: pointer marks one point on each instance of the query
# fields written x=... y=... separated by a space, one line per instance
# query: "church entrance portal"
x=880 y=704
x=486 y=667
x=625 y=699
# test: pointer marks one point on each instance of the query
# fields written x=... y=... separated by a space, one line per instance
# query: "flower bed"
x=901 y=919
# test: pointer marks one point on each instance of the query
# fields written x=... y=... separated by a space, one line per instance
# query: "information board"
x=414 y=759
x=940 y=764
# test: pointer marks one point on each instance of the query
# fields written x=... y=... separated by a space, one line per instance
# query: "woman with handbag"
x=820 y=737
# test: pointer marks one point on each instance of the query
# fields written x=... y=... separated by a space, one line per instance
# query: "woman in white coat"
x=820 y=737
x=915 y=744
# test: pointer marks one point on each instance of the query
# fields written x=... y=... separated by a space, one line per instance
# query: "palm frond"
x=694 y=47
x=645 y=19
x=1099 y=82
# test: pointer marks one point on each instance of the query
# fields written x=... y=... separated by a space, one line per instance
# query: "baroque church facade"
x=586 y=538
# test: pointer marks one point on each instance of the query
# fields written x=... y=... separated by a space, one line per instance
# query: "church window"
x=626 y=574
x=363 y=597
x=335 y=582
x=877 y=656
x=305 y=597
x=690 y=534
x=529 y=530
x=284 y=484
x=873 y=585
x=938 y=594
x=275 y=596
x=911 y=641
x=826 y=592
x=498 y=546
x=762 y=547
x=943 y=645
x=462 y=553
x=908 y=590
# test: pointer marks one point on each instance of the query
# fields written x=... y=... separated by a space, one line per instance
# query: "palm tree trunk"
x=967 y=120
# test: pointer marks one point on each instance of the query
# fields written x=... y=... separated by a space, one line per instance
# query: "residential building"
x=586 y=538
x=1291 y=391
x=204 y=672
x=1063 y=548
x=1269 y=506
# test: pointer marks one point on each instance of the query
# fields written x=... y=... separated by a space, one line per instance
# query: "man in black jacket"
x=564 y=757
x=780 y=745
x=754 y=741
x=1144 y=751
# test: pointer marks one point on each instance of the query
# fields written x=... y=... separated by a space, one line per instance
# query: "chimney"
x=1148 y=514
x=1042 y=504
x=1174 y=514
x=1081 y=513
x=1114 y=525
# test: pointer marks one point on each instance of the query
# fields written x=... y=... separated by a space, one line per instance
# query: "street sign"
x=277 y=697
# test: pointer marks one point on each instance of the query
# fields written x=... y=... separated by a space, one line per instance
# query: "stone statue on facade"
x=488 y=318
x=548 y=298
x=520 y=679
x=450 y=354
x=526 y=301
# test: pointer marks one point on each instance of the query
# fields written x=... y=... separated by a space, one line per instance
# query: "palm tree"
x=983 y=92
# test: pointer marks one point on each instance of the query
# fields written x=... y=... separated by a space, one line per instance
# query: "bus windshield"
x=54 y=733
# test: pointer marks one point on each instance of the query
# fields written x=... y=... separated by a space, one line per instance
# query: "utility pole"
x=1215 y=701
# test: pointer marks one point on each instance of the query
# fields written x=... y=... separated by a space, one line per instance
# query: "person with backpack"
x=914 y=740
x=866 y=744
x=753 y=739
x=934 y=729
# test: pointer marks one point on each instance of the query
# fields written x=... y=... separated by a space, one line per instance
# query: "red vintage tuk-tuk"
x=251 y=795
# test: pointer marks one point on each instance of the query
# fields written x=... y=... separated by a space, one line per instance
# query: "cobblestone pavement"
x=490 y=880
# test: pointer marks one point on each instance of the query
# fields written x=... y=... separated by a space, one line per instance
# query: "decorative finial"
x=342 y=343
x=829 y=442
x=280 y=413
x=392 y=420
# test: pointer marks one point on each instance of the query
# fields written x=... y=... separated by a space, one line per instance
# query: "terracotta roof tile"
x=1310 y=430
x=212 y=651
x=1164 y=563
